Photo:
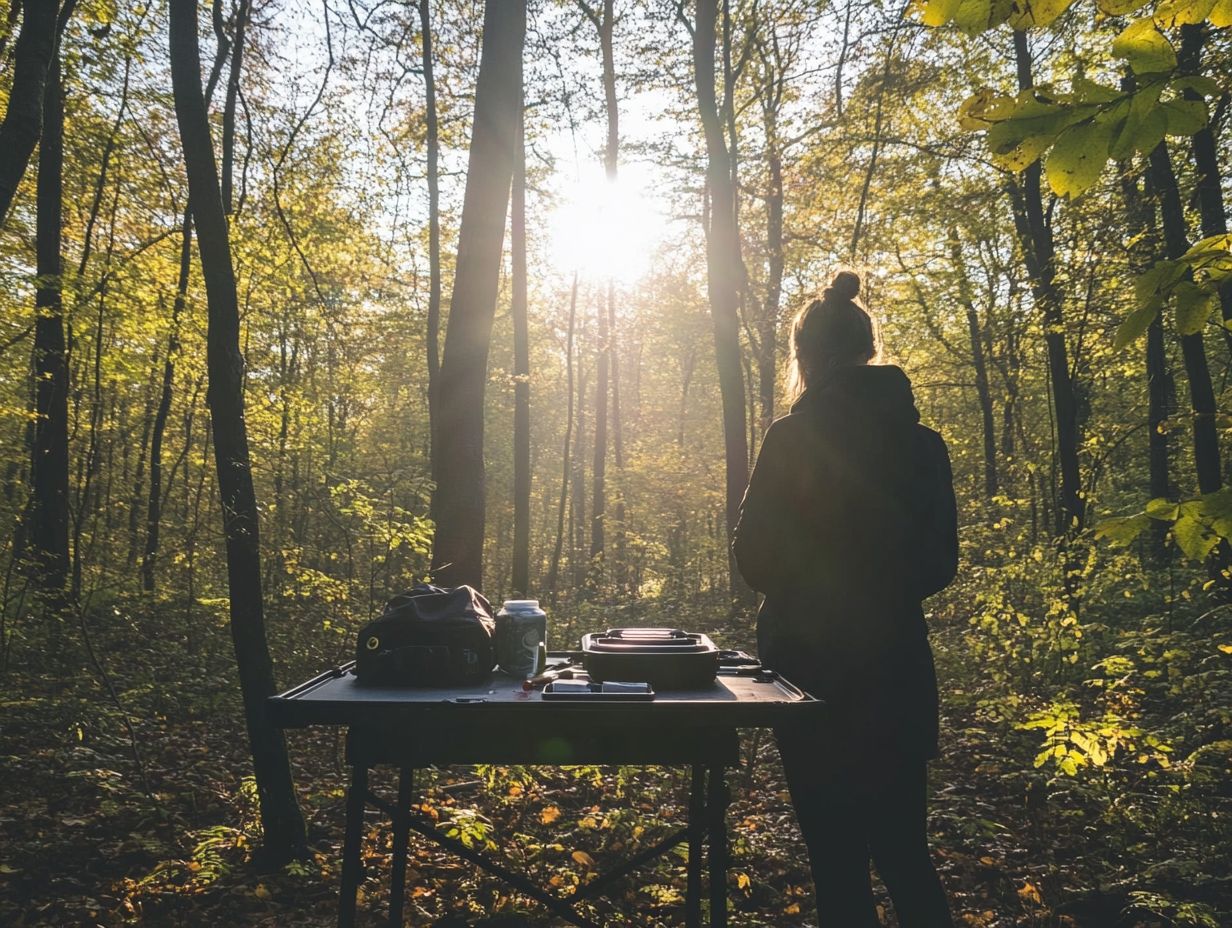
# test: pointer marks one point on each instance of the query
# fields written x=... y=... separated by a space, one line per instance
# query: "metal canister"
x=520 y=628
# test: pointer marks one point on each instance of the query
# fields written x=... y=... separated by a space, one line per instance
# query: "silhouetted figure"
x=848 y=523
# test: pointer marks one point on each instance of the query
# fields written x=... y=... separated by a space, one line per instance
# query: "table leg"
x=697 y=813
x=352 y=866
x=402 y=831
x=716 y=808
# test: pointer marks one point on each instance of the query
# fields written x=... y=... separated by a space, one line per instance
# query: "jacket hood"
x=878 y=391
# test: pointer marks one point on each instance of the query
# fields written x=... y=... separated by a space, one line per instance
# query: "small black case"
x=428 y=636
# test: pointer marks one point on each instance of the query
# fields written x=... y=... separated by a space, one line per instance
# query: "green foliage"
x=1084 y=128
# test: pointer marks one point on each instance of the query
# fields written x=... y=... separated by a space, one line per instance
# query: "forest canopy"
x=306 y=302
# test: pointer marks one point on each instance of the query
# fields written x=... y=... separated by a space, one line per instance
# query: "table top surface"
x=733 y=700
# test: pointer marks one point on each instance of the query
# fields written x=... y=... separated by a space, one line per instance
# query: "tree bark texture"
x=48 y=513
x=722 y=277
x=457 y=554
x=281 y=820
x=23 y=120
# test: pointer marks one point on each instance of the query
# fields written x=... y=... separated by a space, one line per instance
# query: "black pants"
x=849 y=815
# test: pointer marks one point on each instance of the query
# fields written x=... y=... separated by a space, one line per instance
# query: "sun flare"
x=605 y=230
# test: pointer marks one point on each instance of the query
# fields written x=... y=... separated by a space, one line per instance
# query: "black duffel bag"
x=428 y=636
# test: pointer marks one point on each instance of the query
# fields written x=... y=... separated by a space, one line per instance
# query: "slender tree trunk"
x=979 y=363
x=434 y=226
x=1035 y=233
x=767 y=335
x=135 y=507
x=598 y=503
x=577 y=500
x=603 y=22
x=620 y=567
x=91 y=463
x=282 y=823
x=233 y=92
x=457 y=555
x=723 y=279
x=153 y=519
x=1208 y=182
x=48 y=512
x=554 y=570
x=521 y=373
x=23 y=120
x=1143 y=254
x=1193 y=347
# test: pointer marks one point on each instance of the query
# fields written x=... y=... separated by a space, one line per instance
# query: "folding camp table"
x=497 y=722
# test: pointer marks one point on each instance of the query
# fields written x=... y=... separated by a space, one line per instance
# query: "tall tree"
x=458 y=503
x=521 y=374
x=23 y=120
x=153 y=519
x=432 y=144
x=1193 y=347
x=770 y=88
x=554 y=569
x=723 y=274
x=48 y=513
x=1208 y=186
x=979 y=364
x=233 y=91
x=1035 y=233
x=282 y=823
x=603 y=19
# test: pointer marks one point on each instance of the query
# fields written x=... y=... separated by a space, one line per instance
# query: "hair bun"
x=844 y=286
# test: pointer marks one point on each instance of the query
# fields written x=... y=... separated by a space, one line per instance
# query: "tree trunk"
x=457 y=554
x=1208 y=183
x=23 y=120
x=1035 y=233
x=135 y=507
x=603 y=23
x=521 y=373
x=282 y=824
x=554 y=570
x=599 y=467
x=619 y=567
x=48 y=513
x=979 y=363
x=722 y=279
x=1193 y=348
x=434 y=227
x=233 y=91
x=1143 y=254
x=767 y=335
x=577 y=499
x=153 y=519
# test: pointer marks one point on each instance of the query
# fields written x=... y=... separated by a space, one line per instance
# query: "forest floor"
x=90 y=836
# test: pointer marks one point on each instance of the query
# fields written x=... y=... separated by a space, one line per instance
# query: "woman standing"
x=848 y=523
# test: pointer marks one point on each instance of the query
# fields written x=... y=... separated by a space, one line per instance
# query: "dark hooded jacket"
x=848 y=523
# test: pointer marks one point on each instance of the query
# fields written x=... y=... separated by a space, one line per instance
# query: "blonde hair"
x=831 y=332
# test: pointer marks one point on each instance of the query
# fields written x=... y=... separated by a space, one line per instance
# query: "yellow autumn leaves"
x=974 y=16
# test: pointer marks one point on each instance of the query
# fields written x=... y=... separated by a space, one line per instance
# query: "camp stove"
x=666 y=658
